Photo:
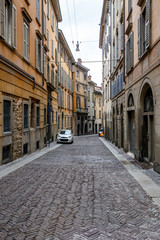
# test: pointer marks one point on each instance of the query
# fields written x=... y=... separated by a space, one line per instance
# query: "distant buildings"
x=134 y=75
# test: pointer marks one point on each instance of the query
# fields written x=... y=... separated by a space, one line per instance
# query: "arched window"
x=130 y=100
x=148 y=101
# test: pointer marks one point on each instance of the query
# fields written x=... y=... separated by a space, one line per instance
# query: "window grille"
x=38 y=116
x=25 y=115
x=6 y=155
x=6 y=116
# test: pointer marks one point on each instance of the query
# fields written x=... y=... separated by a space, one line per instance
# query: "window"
x=38 y=54
x=52 y=116
x=48 y=70
x=52 y=49
x=45 y=28
x=129 y=6
x=6 y=116
x=45 y=119
x=85 y=76
x=77 y=73
x=38 y=116
x=25 y=148
x=117 y=48
x=99 y=114
x=26 y=36
x=114 y=16
x=8 y=19
x=6 y=154
x=122 y=37
x=129 y=53
x=45 y=65
x=52 y=75
x=99 y=102
x=78 y=102
x=38 y=10
x=47 y=39
x=26 y=115
x=52 y=19
x=144 y=30
x=48 y=9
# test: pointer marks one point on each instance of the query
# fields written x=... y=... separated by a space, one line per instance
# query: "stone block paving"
x=76 y=192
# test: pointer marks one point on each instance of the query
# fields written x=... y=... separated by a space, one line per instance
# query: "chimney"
x=79 y=60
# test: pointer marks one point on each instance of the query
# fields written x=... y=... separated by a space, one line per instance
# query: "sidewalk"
x=12 y=166
x=143 y=173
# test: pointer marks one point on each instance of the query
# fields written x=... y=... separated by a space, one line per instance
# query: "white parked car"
x=65 y=136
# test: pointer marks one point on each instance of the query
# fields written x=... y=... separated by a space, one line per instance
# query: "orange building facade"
x=28 y=76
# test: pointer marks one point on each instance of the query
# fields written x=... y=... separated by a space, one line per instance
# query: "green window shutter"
x=2 y=18
x=139 y=36
x=147 y=32
x=14 y=26
x=131 y=49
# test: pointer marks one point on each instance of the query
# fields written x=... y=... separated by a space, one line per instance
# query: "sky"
x=80 y=22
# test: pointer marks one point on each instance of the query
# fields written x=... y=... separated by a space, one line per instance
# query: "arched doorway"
x=148 y=124
x=122 y=135
x=131 y=123
x=113 y=125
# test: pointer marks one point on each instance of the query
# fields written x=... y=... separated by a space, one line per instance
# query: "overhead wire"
x=70 y=22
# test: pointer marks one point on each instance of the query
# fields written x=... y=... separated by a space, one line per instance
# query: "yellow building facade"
x=80 y=99
x=28 y=77
x=65 y=84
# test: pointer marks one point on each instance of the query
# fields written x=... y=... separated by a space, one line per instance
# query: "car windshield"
x=66 y=132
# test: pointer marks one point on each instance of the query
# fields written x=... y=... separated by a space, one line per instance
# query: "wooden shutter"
x=2 y=18
x=42 y=59
x=122 y=37
x=37 y=57
x=127 y=57
x=147 y=24
x=45 y=65
x=38 y=10
x=139 y=36
x=14 y=26
x=131 y=49
x=52 y=20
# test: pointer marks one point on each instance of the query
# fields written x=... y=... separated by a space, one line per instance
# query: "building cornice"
x=103 y=20
x=57 y=9
x=63 y=41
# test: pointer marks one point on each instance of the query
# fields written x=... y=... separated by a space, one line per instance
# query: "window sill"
x=7 y=134
x=26 y=60
x=38 y=21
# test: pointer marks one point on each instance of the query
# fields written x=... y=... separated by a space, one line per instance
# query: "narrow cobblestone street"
x=78 y=191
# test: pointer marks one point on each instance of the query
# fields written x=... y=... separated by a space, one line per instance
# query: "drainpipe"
x=43 y=40
x=124 y=42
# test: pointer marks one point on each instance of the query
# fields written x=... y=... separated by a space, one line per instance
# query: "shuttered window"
x=38 y=54
x=144 y=29
x=45 y=28
x=14 y=26
x=48 y=9
x=52 y=19
x=8 y=22
x=38 y=10
x=26 y=42
x=129 y=52
x=52 y=49
x=129 y=6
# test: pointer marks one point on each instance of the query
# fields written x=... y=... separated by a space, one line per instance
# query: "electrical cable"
x=75 y=18
x=69 y=21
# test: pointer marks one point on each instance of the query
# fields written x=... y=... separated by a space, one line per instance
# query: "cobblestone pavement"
x=76 y=192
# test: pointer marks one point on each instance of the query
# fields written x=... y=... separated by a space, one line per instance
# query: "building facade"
x=135 y=75
x=143 y=80
x=80 y=99
x=91 y=106
x=28 y=90
x=98 y=109
x=66 y=85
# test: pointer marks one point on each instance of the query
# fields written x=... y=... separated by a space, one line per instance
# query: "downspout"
x=124 y=80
